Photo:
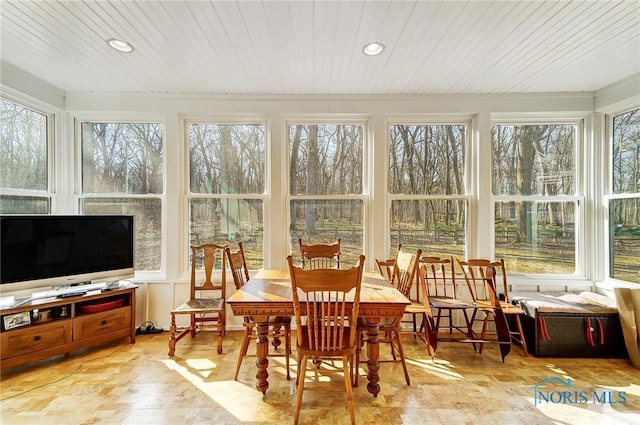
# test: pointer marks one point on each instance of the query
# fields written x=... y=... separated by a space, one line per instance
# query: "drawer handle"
x=104 y=322
x=36 y=338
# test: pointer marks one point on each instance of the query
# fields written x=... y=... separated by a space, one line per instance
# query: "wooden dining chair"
x=442 y=291
x=279 y=326
x=499 y=318
x=320 y=256
x=386 y=267
x=326 y=304
x=428 y=328
x=206 y=305
x=476 y=274
x=405 y=271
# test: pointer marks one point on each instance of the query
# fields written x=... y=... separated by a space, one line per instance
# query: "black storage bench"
x=567 y=325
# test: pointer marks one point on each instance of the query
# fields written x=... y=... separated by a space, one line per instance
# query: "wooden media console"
x=45 y=327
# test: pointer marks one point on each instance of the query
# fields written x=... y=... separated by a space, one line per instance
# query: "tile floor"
x=120 y=383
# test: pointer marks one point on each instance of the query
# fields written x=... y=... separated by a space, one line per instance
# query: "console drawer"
x=35 y=338
x=91 y=325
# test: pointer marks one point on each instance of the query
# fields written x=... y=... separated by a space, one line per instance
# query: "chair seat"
x=448 y=302
x=199 y=305
x=415 y=308
x=304 y=348
x=440 y=303
x=506 y=307
x=512 y=310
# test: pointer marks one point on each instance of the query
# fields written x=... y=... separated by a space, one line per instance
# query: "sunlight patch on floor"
x=326 y=373
x=586 y=414
x=439 y=368
x=555 y=369
x=632 y=389
x=204 y=366
x=240 y=400
x=278 y=366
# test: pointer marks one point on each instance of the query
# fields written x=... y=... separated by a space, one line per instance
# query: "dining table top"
x=271 y=289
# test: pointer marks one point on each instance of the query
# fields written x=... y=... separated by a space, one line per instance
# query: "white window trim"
x=55 y=176
x=583 y=238
x=471 y=193
x=115 y=117
x=234 y=119
x=605 y=280
x=367 y=165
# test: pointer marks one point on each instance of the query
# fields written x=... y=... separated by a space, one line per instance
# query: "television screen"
x=62 y=250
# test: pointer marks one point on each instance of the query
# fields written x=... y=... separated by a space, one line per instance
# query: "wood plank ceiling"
x=315 y=47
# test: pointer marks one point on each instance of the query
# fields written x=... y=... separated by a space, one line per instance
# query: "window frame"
x=53 y=132
x=581 y=160
x=189 y=195
x=367 y=163
x=468 y=197
x=608 y=194
x=79 y=196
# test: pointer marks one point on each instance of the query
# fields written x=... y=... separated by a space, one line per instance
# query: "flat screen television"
x=39 y=251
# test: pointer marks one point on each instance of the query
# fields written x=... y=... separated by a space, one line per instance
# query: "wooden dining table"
x=269 y=293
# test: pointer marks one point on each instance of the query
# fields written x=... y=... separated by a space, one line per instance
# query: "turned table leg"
x=262 y=351
x=373 y=354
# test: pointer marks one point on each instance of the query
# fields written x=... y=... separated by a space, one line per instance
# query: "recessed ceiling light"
x=119 y=45
x=372 y=49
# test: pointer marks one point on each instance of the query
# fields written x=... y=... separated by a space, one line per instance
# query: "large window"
x=427 y=187
x=122 y=173
x=536 y=204
x=227 y=185
x=24 y=163
x=624 y=197
x=326 y=186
